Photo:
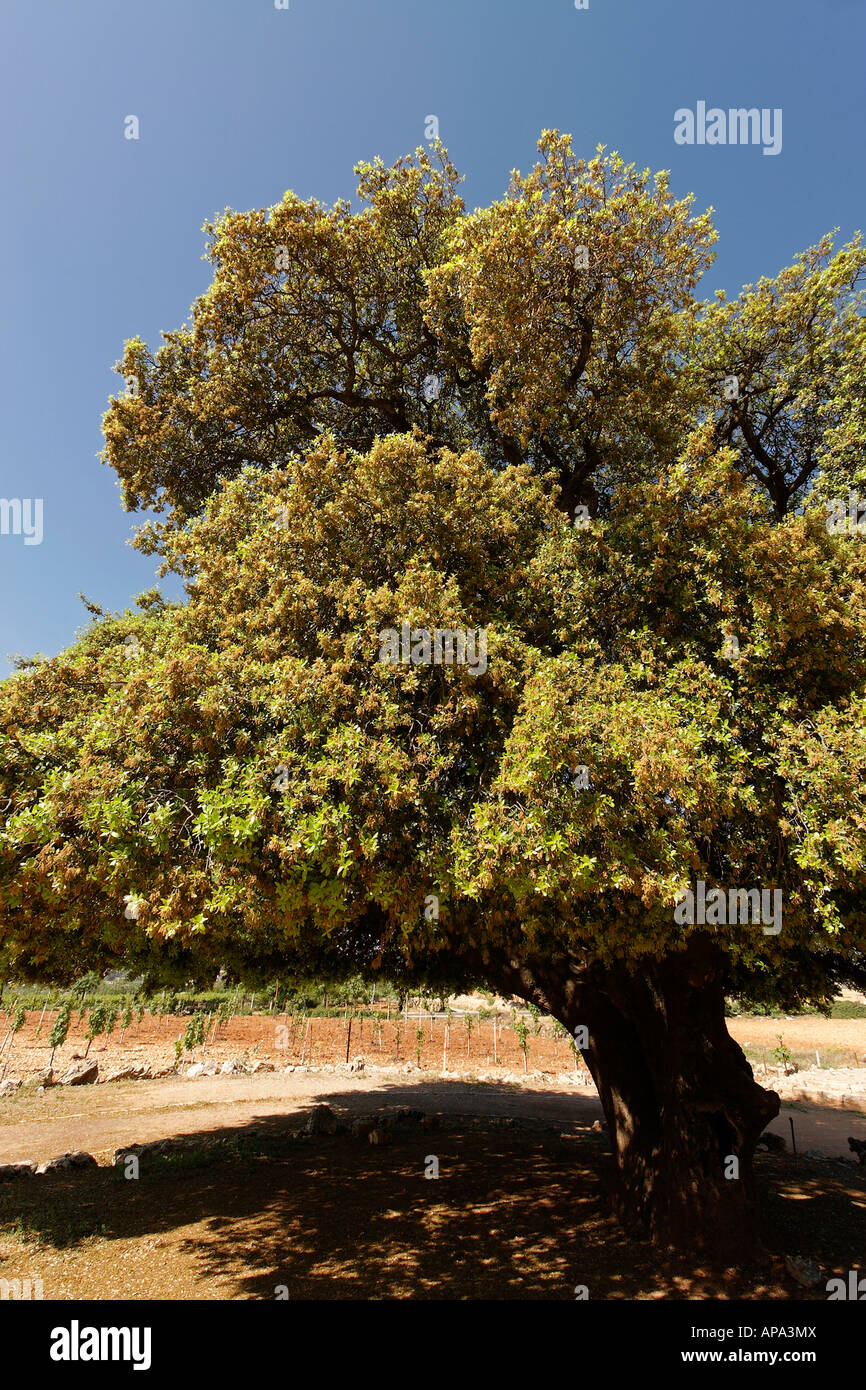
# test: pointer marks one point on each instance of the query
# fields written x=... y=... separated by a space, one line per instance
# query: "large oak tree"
x=520 y=420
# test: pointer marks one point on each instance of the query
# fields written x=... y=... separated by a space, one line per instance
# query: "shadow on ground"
x=519 y=1211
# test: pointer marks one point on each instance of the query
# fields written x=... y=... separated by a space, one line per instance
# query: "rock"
x=167 y=1070
x=773 y=1143
x=132 y=1073
x=156 y=1146
x=82 y=1073
x=42 y=1078
x=321 y=1120
x=378 y=1136
x=202 y=1069
x=130 y=1150
x=230 y=1067
x=261 y=1066
x=10 y=1171
x=78 y=1159
x=805 y=1271
x=401 y=1114
x=8 y=1088
x=362 y=1129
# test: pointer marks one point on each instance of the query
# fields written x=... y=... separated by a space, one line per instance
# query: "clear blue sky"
x=101 y=238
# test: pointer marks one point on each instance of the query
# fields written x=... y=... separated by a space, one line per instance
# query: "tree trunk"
x=683 y=1109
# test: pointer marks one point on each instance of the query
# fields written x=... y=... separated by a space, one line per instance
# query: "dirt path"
x=819 y=1130
x=100 y=1119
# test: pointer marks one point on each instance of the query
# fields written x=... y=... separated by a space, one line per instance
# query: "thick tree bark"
x=679 y=1096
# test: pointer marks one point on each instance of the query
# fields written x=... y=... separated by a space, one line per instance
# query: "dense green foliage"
x=241 y=782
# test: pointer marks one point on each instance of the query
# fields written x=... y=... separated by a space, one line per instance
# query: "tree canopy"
x=519 y=421
x=251 y=774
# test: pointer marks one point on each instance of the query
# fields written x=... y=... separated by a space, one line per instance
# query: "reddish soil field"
x=290 y=1039
x=286 y=1040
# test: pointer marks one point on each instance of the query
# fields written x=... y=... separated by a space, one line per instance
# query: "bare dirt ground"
x=483 y=1076
x=100 y=1119
x=519 y=1210
x=838 y=1041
